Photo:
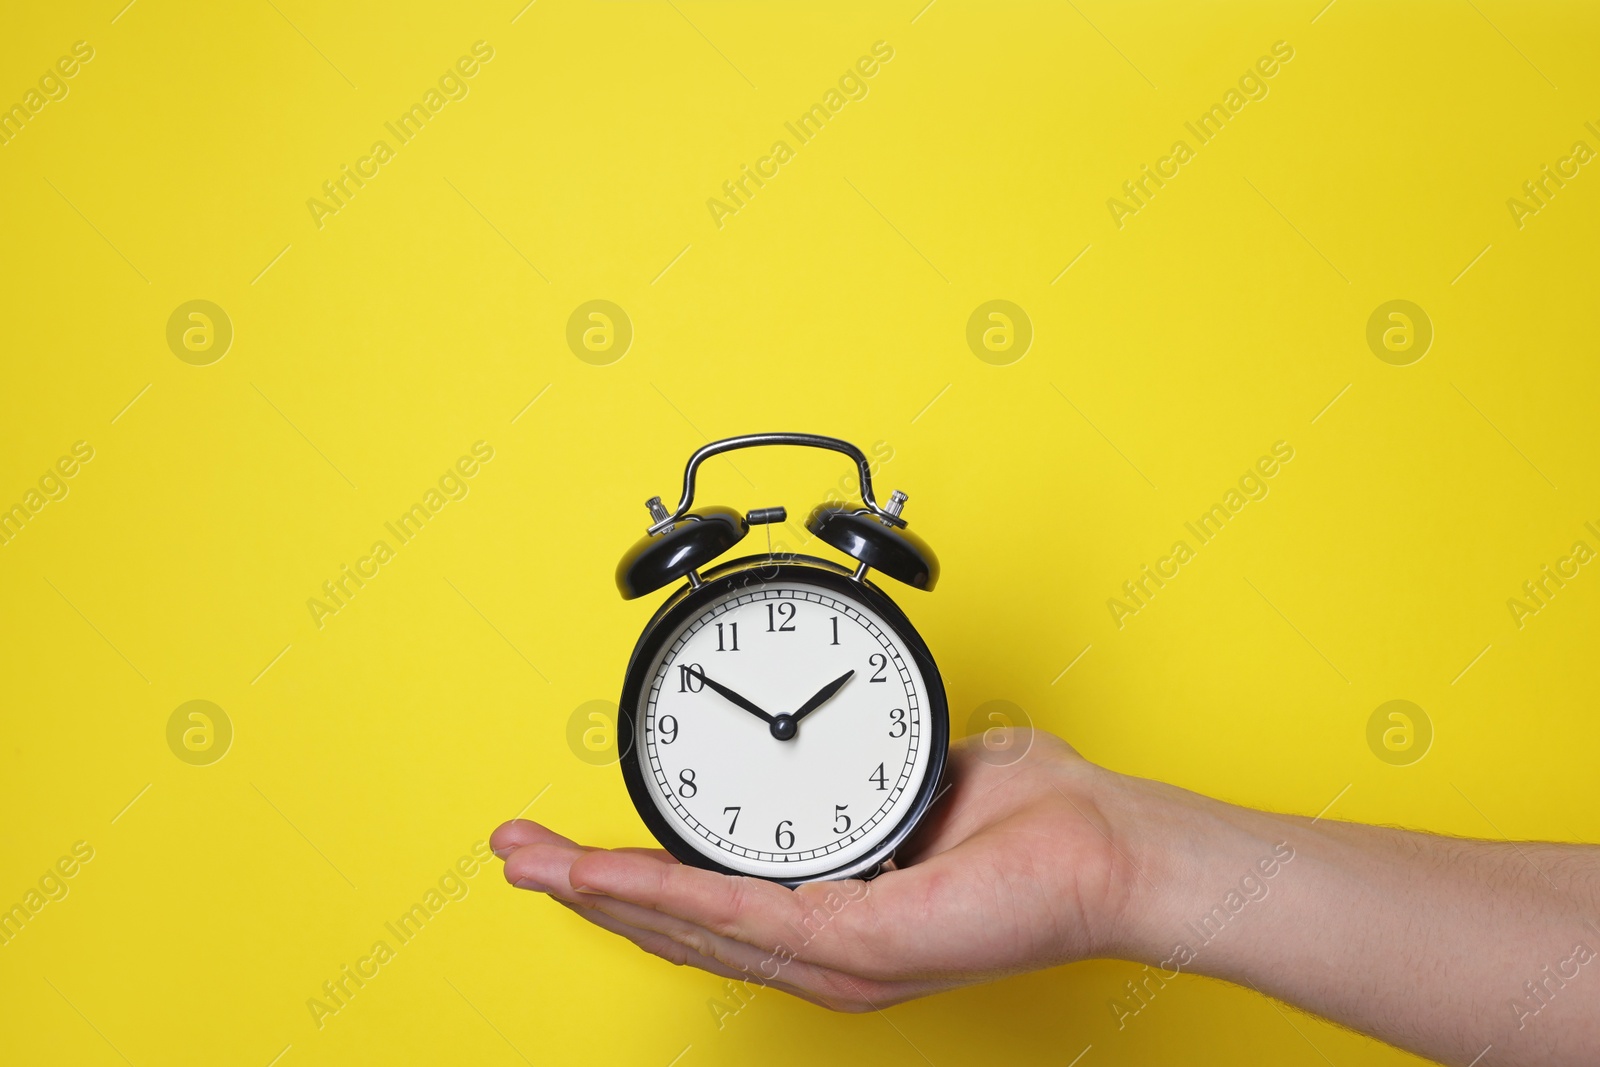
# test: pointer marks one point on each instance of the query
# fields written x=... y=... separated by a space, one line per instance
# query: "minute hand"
x=735 y=698
x=823 y=695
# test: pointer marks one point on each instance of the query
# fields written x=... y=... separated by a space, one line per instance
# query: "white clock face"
x=730 y=783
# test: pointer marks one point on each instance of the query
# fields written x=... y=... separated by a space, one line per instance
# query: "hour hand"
x=734 y=698
x=823 y=695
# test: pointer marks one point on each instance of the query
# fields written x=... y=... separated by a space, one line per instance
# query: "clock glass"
x=784 y=729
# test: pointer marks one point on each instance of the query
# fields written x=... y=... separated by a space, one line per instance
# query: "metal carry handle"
x=889 y=515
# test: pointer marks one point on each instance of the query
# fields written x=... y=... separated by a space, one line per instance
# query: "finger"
x=653 y=941
x=889 y=936
x=781 y=934
x=747 y=958
x=851 y=926
x=676 y=953
x=542 y=866
x=548 y=869
x=746 y=909
x=825 y=988
x=518 y=832
x=659 y=854
x=733 y=957
x=509 y=836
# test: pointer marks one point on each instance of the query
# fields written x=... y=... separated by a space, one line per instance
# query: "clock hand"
x=735 y=697
x=822 y=696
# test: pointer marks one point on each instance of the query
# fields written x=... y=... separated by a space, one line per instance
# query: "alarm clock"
x=780 y=717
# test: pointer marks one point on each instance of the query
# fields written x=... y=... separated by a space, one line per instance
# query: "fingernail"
x=504 y=852
x=529 y=883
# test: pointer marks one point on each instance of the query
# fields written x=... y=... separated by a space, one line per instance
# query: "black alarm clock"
x=781 y=717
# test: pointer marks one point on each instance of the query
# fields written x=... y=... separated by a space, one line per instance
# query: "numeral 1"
x=835 y=621
x=732 y=637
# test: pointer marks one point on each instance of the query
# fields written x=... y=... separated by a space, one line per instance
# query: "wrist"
x=1194 y=865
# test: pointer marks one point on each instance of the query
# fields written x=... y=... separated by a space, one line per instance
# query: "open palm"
x=1014 y=869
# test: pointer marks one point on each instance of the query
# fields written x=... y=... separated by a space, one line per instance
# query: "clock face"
x=785 y=730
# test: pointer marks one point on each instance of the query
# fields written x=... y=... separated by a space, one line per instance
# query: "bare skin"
x=1442 y=946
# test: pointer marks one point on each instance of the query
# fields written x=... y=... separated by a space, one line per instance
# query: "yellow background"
x=426 y=314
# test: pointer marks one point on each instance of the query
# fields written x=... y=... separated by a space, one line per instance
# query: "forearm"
x=1438 y=945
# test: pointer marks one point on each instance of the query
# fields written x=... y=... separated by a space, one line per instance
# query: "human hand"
x=1053 y=859
x=1014 y=869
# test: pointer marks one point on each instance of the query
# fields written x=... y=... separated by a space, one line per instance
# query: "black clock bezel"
x=756 y=571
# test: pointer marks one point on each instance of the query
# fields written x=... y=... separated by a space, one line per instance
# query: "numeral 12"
x=784 y=612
